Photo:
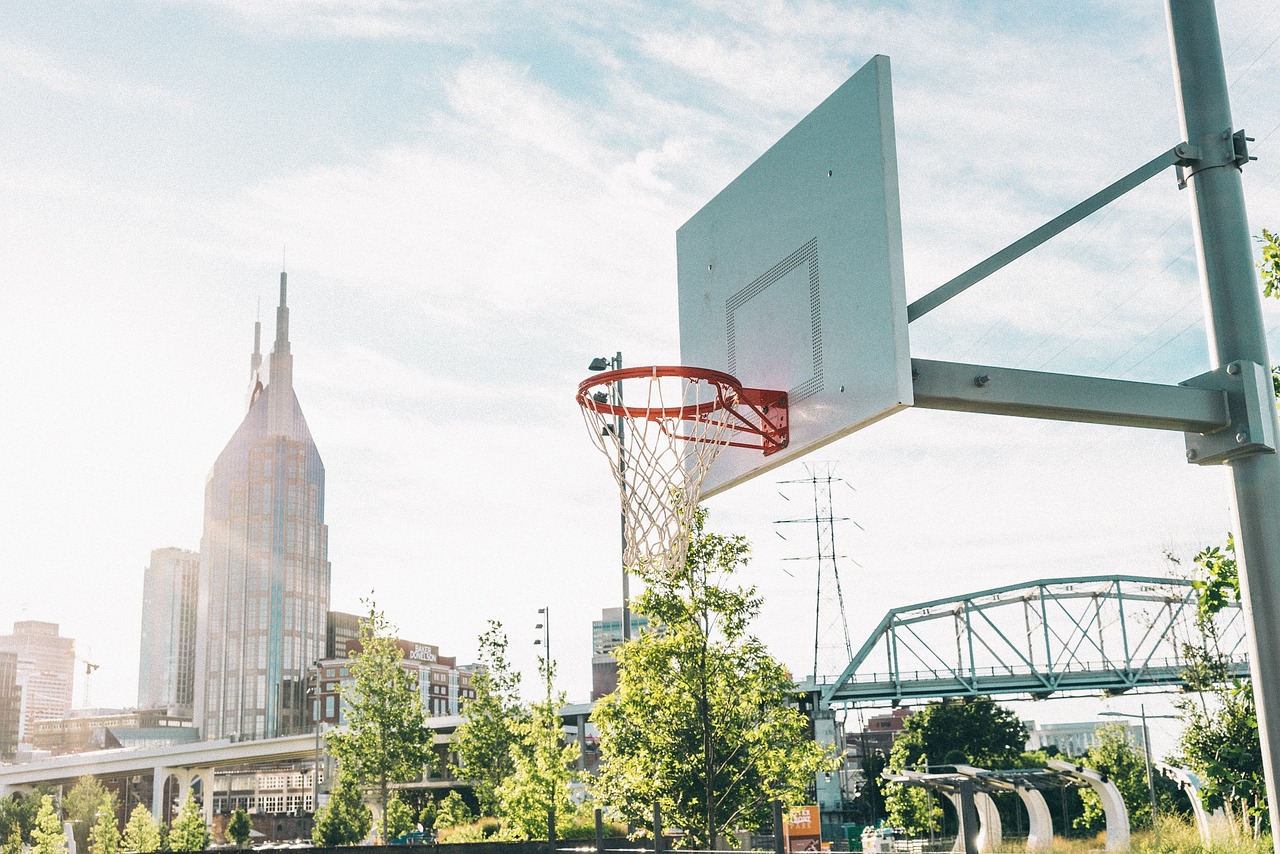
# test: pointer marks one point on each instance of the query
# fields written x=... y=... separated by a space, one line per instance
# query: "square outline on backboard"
x=808 y=255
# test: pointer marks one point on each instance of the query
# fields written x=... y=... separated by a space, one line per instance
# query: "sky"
x=474 y=199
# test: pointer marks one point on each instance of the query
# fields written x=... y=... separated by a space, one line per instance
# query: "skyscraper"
x=10 y=705
x=606 y=636
x=167 y=661
x=46 y=666
x=264 y=567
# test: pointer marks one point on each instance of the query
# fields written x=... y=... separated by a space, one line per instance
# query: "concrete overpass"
x=185 y=763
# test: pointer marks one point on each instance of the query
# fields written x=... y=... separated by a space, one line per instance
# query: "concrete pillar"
x=1211 y=825
x=159 y=776
x=830 y=795
x=1113 y=808
x=1039 y=820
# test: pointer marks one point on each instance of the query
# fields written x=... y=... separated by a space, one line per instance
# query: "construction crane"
x=89 y=667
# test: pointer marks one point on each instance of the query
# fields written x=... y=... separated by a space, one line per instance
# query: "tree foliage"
x=345 y=819
x=189 y=832
x=18 y=818
x=975 y=731
x=541 y=773
x=1115 y=754
x=386 y=740
x=453 y=811
x=490 y=722
x=239 y=828
x=400 y=818
x=141 y=832
x=47 y=836
x=1220 y=740
x=971 y=731
x=80 y=806
x=1221 y=744
x=1269 y=263
x=104 y=836
x=702 y=722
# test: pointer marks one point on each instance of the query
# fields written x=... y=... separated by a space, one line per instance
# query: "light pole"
x=545 y=642
x=1146 y=750
x=601 y=363
x=315 y=769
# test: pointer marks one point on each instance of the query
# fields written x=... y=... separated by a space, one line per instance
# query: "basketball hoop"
x=688 y=416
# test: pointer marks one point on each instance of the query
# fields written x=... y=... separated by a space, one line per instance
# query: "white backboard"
x=791 y=278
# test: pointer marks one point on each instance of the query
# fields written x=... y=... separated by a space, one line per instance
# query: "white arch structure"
x=1040 y=820
x=1117 y=815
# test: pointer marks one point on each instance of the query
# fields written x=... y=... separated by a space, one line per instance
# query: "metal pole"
x=1234 y=325
x=1151 y=782
x=779 y=832
x=619 y=427
x=315 y=770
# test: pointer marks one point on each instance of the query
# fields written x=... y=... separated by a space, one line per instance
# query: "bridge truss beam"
x=1091 y=634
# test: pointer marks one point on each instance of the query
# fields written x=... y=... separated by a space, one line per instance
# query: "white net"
x=661 y=444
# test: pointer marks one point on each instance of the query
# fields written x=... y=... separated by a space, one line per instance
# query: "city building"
x=83 y=730
x=606 y=636
x=444 y=686
x=342 y=628
x=45 y=668
x=1075 y=739
x=167 y=658
x=264 y=566
x=876 y=736
x=10 y=706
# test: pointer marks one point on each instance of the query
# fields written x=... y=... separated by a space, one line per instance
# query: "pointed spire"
x=255 y=364
x=280 y=415
x=282 y=316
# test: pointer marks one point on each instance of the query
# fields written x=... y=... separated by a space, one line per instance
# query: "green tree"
x=141 y=832
x=18 y=818
x=703 y=721
x=47 y=836
x=386 y=739
x=484 y=740
x=453 y=811
x=1117 y=755
x=1221 y=744
x=399 y=817
x=189 y=831
x=427 y=816
x=1269 y=263
x=104 y=836
x=542 y=772
x=239 y=828
x=80 y=807
x=345 y=819
x=972 y=731
x=1220 y=740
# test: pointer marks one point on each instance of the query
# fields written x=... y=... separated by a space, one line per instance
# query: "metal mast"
x=821 y=477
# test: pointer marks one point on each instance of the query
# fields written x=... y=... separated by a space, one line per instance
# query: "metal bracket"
x=1230 y=149
x=1251 y=401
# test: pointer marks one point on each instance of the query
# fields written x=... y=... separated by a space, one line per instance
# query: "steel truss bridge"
x=1097 y=634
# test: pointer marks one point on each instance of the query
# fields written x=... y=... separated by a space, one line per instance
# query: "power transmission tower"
x=828 y=618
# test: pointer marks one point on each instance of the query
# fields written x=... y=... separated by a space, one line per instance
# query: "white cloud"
x=56 y=74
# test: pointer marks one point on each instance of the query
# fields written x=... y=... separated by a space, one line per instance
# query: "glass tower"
x=167 y=657
x=264 y=566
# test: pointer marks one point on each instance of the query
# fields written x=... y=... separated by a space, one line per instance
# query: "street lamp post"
x=601 y=363
x=545 y=642
x=315 y=769
x=1146 y=750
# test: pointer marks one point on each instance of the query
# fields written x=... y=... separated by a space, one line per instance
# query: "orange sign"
x=802 y=830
